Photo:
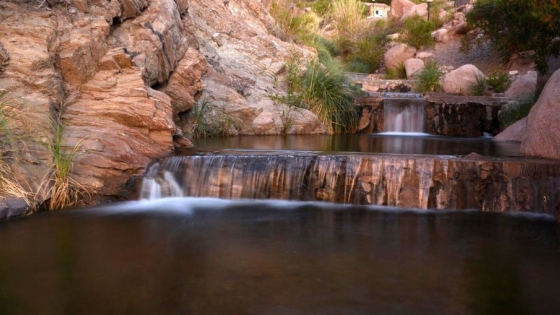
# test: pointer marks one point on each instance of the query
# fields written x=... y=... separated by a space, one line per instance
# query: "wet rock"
x=11 y=208
x=514 y=132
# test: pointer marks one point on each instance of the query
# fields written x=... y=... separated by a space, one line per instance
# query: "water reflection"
x=277 y=258
x=374 y=143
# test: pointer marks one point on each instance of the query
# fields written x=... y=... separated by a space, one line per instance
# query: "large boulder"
x=514 y=132
x=523 y=87
x=461 y=80
x=398 y=54
x=399 y=8
x=413 y=66
x=417 y=9
x=542 y=138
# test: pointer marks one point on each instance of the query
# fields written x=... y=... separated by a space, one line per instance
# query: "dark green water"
x=374 y=143
x=209 y=256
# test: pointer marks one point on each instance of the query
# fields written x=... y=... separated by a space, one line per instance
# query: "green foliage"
x=395 y=74
x=347 y=16
x=357 y=66
x=499 y=81
x=428 y=80
x=418 y=32
x=515 y=112
x=369 y=49
x=300 y=28
x=327 y=44
x=327 y=93
x=479 y=88
x=321 y=7
x=519 y=25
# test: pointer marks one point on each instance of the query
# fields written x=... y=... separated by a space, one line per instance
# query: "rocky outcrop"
x=416 y=10
x=461 y=80
x=123 y=75
x=541 y=137
x=523 y=86
x=398 y=54
x=399 y=8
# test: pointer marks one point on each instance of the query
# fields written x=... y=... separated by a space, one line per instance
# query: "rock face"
x=398 y=54
x=417 y=9
x=461 y=80
x=122 y=76
x=541 y=137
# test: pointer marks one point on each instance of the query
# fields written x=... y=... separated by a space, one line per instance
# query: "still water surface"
x=209 y=256
x=374 y=143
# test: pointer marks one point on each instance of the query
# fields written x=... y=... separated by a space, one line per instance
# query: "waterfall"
x=404 y=115
x=400 y=181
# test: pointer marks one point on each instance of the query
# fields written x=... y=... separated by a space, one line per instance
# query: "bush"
x=519 y=25
x=347 y=16
x=299 y=28
x=418 y=32
x=395 y=74
x=499 y=81
x=515 y=112
x=479 y=88
x=428 y=80
x=369 y=49
x=357 y=66
x=327 y=93
x=322 y=7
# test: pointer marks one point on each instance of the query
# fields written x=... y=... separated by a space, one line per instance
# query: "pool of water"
x=374 y=143
x=210 y=256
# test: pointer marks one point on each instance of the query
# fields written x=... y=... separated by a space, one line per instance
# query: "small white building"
x=378 y=10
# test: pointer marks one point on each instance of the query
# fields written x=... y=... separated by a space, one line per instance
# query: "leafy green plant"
x=499 y=81
x=369 y=49
x=428 y=79
x=516 y=111
x=357 y=66
x=322 y=7
x=479 y=88
x=418 y=32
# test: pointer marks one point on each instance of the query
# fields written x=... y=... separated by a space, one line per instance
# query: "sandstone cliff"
x=123 y=74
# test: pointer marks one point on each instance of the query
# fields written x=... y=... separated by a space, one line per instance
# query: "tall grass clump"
x=327 y=93
x=205 y=124
x=418 y=32
x=347 y=16
x=479 y=87
x=428 y=80
x=9 y=184
x=369 y=49
x=395 y=74
x=58 y=184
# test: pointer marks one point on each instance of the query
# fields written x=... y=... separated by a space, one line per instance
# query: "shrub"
x=322 y=7
x=428 y=80
x=516 y=111
x=299 y=28
x=327 y=93
x=499 y=81
x=479 y=88
x=369 y=49
x=418 y=32
x=357 y=66
x=398 y=73
x=347 y=16
x=519 y=25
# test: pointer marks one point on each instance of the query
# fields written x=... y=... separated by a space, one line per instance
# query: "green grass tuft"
x=428 y=80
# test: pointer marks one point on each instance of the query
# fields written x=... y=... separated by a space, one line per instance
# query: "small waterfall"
x=404 y=115
x=401 y=181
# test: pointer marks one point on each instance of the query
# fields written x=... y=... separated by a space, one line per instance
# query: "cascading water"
x=416 y=182
x=404 y=113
